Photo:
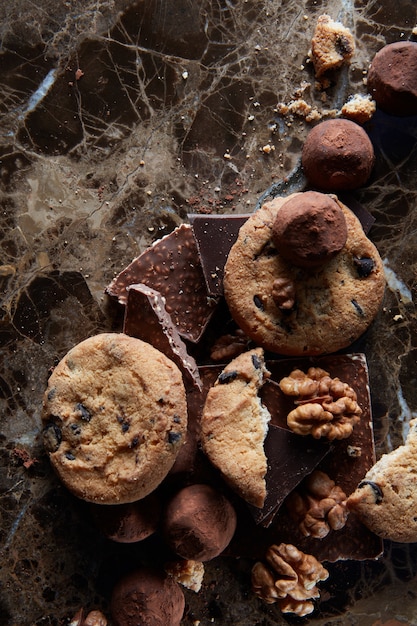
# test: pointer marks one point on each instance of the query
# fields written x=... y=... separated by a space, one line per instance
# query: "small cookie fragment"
x=337 y=155
x=186 y=572
x=359 y=109
x=386 y=499
x=115 y=418
x=199 y=523
x=326 y=407
x=288 y=577
x=234 y=425
x=147 y=596
x=392 y=78
x=332 y=45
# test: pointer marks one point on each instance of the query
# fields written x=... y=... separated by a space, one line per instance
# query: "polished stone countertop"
x=117 y=120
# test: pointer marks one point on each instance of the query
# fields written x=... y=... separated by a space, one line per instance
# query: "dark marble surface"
x=170 y=114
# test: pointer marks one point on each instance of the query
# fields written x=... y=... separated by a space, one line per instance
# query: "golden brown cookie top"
x=115 y=418
x=309 y=311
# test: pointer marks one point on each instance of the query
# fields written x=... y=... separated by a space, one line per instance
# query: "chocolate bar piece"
x=172 y=267
x=215 y=235
x=290 y=459
x=146 y=318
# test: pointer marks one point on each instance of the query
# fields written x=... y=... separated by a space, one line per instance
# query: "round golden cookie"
x=115 y=417
x=297 y=311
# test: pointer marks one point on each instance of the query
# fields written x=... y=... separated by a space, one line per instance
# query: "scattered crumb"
x=301 y=108
x=359 y=108
x=332 y=45
x=188 y=573
x=25 y=457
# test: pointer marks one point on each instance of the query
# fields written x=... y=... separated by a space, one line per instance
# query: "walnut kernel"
x=289 y=578
x=283 y=293
x=326 y=407
x=318 y=506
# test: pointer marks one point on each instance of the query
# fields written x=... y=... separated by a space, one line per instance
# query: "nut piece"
x=327 y=407
x=290 y=578
x=229 y=346
x=283 y=293
x=187 y=573
x=318 y=506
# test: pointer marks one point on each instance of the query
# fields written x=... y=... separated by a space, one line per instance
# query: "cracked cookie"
x=330 y=306
x=234 y=425
x=115 y=418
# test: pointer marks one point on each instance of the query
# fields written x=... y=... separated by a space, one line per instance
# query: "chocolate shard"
x=172 y=267
x=215 y=235
x=146 y=318
x=290 y=459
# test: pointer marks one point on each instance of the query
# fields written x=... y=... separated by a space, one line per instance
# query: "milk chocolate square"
x=146 y=318
x=172 y=267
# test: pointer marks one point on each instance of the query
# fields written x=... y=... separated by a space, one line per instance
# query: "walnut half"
x=326 y=407
x=318 y=506
x=289 y=577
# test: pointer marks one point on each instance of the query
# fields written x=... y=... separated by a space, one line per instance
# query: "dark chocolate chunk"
x=364 y=266
x=215 y=235
x=146 y=318
x=291 y=458
x=70 y=456
x=358 y=307
x=375 y=488
x=172 y=267
x=226 y=377
x=52 y=437
x=257 y=363
x=258 y=302
x=85 y=413
x=174 y=437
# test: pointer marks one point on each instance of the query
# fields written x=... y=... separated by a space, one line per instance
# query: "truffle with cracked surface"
x=337 y=155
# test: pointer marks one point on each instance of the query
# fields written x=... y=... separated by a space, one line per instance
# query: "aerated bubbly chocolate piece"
x=215 y=235
x=172 y=267
x=146 y=318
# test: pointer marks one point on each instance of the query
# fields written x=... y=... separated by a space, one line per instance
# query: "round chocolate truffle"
x=309 y=229
x=392 y=78
x=199 y=523
x=147 y=597
x=128 y=523
x=337 y=154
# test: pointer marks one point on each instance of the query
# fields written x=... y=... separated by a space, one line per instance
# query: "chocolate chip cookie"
x=295 y=310
x=115 y=417
x=234 y=425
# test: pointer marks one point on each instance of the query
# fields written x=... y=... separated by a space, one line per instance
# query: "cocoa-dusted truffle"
x=337 y=154
x=128 y=523
x=392 y=78
x=199 y=523
x=149 y=598
x=309 y=229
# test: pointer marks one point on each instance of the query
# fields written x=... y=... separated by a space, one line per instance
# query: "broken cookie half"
x=234 y=425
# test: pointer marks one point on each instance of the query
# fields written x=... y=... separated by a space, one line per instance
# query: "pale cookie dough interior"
x=234 y=425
